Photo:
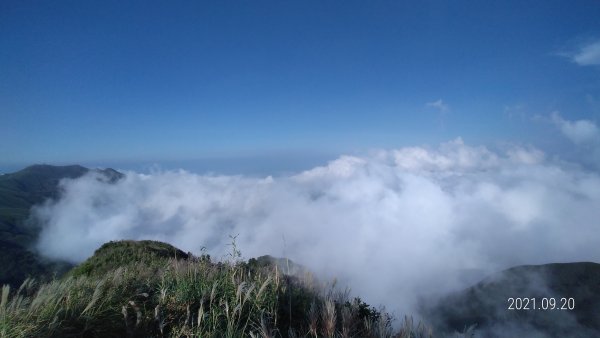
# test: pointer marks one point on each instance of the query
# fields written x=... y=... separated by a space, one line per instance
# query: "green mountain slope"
x=126 y=253
x=151 y=289
x=19 y=191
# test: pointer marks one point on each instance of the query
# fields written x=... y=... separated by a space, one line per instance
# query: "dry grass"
x=191 y=298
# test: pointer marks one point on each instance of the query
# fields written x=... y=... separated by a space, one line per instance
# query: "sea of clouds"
x=394 y=225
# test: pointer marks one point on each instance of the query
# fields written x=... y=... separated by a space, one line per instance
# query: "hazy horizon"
x=143 y=83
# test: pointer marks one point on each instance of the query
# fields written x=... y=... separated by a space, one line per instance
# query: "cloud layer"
x=395 y=224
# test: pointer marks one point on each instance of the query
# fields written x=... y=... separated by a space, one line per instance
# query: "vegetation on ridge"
x=157 y=291
x=127 y=254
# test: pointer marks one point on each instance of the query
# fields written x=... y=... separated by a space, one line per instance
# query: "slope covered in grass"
x=151 y=289
x=126 y=254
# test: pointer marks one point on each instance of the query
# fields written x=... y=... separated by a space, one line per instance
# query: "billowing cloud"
x=578 y=132
x=394 y=225
x=588 y=54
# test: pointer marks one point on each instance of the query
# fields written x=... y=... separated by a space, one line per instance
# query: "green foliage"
x=151 y=254
x=159 y=291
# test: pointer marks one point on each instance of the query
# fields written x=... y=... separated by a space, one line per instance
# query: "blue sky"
x=115 y=82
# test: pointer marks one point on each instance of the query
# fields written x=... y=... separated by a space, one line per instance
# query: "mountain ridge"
x=19 y=191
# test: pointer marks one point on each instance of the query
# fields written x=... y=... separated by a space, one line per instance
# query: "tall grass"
x=191 y=298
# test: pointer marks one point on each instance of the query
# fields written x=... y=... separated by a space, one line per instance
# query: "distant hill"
x=19 y=191
x=486 y=303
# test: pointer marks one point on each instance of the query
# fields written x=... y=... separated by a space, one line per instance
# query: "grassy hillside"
x=19 y=191
x=151 y=289
x=127 y=254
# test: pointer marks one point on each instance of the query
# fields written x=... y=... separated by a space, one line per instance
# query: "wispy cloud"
x=517 y=111
x=578 y=132
x=440 y=105
x=588 y=55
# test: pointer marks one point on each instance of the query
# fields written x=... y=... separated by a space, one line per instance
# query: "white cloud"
x=439 y=105
x=588 y=55
x=578 y=132
x=451 y=157
x=395 y=226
